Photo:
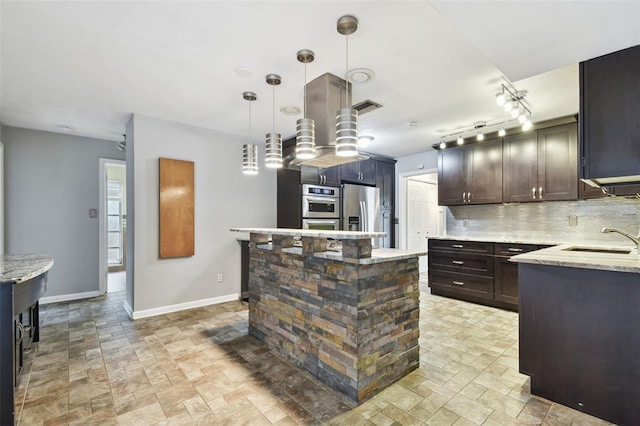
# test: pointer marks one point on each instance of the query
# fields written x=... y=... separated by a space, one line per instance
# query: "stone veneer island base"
x=350 y=318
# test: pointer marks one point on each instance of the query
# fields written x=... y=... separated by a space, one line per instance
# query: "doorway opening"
x=421 y=217
x=113 y=225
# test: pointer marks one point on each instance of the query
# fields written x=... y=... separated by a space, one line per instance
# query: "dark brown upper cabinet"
x=541 y=165
x=470 y=174
x=609 y=115
x=362 y=172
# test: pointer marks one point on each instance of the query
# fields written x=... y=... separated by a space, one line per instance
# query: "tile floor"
x=95 y=366
x=116 y=281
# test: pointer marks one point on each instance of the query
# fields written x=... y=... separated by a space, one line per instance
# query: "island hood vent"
x=325 y=96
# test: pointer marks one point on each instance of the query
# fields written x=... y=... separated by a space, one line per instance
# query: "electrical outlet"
x=465 y=223
x=573 y=220
x=220 y=278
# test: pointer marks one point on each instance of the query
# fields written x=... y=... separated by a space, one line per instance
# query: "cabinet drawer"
x=477 y=264
x=504 y=249
x=461 y=246
x=470 y=285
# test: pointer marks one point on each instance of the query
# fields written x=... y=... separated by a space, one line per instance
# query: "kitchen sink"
x=599 y=250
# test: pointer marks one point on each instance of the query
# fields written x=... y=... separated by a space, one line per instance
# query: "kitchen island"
x=23 y=281
x=348 y=317
x=580 y=328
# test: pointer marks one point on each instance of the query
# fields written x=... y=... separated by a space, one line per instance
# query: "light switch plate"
x=573 y=220
x=93 y=213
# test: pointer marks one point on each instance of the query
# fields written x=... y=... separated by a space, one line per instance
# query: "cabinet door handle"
x=458 y=282
x=515 y=250
x=533 y=192
x=469 y=197
x=464 y=197
x=457 y=262
x=457 y=245
x=21 y=330
x=540 y=192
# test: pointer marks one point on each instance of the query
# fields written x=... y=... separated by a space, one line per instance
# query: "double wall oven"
x=320 y=207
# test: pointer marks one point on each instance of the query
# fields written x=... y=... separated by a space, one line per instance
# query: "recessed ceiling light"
x=360 y=75
x=243 y=72
x=413 y=123
x=290 y=110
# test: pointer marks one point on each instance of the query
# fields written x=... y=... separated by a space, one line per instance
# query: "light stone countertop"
x=337 y=235
x=378 y=255
x=498 y=238
x=560 y=256
x=19 y=268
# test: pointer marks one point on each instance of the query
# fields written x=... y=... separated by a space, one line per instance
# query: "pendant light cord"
x=250 y=121
x=304 y=102
x=273 y=124
x=346 y=74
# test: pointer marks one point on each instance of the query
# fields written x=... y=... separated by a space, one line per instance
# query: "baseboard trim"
x=127 y=308
x=69 y=297
x=182 y=306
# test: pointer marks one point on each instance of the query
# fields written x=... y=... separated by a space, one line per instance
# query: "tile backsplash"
x=552 y=221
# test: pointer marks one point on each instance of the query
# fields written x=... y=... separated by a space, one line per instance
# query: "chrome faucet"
x=626 y=234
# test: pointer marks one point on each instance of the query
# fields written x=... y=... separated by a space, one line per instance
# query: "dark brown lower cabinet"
x=476 y=271
x=579 y=338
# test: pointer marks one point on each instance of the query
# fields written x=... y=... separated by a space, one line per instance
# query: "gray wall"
x=51 y=182
x=224 y=198
x=548 y=221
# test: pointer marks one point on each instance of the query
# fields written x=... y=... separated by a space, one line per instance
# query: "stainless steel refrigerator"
x=361 y=210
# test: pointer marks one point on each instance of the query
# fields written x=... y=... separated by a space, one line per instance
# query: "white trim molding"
x=68 y=297
x=180 y=306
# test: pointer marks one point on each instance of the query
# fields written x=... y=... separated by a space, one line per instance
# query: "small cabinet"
x=326 y=177
x=386 y=181
x=609 y=111
x=505 y=286
x=470 y=174
x=542 y=165
x=363 y=172
x=386 y=222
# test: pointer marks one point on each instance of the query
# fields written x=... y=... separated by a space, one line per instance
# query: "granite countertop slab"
x=561 y=256
x=337 y=235
x=19 y=268
x=499 y=238
x=379 y=255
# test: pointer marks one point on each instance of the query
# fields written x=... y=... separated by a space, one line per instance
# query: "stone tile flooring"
x=95 y=366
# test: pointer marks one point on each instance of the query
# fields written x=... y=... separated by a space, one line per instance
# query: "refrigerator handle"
x=363 y=207
x=362 y=221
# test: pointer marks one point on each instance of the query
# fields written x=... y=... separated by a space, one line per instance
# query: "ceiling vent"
x=366 y=106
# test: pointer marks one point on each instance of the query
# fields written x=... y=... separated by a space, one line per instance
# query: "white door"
x=422 y=216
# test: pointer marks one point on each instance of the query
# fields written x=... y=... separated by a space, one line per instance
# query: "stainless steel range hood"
x=325 y=95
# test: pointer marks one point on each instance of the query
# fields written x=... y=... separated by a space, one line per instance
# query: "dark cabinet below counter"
x=476 y=271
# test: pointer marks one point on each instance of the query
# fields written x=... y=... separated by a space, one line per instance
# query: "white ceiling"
x=90 y=64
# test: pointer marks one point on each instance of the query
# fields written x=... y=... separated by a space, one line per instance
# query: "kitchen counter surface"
x=338 y=235
x=499 y=238
x=561 y=256
x=19 y=268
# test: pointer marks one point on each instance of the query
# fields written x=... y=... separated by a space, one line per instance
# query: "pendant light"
x=273 y=158
x=347 y=117
x=305 y=127
x=249 y=151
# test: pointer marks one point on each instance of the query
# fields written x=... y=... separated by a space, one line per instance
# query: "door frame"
x=102 y=226
x=402 y=204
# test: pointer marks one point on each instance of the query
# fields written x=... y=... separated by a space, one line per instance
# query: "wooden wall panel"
x=177 y=208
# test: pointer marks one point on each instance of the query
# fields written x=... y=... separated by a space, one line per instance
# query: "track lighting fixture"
x=460 y=140
x=501 y=132
x=480 y=136
x=512 y=103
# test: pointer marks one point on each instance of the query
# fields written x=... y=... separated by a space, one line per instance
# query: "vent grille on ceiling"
x=366 y=106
